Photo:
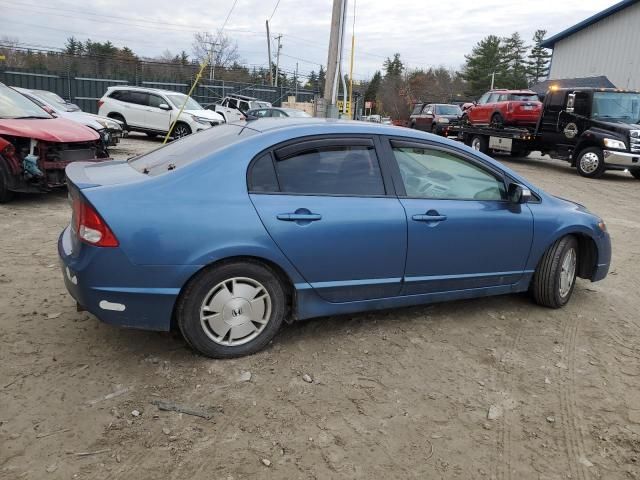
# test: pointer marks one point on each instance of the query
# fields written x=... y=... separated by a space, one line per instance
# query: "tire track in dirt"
x=570 y=420
x=504 y=447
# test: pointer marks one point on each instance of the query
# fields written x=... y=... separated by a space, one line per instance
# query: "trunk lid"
x=95 y=174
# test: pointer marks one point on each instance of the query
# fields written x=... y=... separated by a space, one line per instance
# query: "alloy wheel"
x=568 y=272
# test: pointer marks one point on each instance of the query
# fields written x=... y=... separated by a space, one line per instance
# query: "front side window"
x=232 y=103
x=156 y=100
x=331 y=170
x=139 y=98
x=434 y=174
x=493 y=98
x=483 y=99
x=278 y=113
x=179 y=99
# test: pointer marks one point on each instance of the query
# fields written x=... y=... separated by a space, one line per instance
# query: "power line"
x=228 y=15
x=274 y=10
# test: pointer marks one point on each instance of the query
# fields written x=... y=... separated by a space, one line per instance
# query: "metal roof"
x=551 y=41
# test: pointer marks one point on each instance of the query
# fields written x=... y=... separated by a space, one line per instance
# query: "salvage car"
x=434 y=117
x=276 y=112
x=35 y=147
x=505 y=107
x=153 y=111
x=110 y=130
x=234 y=107
x=227 y=234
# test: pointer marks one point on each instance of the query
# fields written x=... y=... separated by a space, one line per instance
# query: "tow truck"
x=594 y=129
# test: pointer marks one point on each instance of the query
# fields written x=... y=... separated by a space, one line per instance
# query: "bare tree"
x=225 y=50
x=8 y=49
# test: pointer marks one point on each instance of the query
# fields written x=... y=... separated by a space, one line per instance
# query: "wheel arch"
x=587 y=250
x=280 y=273
x=583 y=144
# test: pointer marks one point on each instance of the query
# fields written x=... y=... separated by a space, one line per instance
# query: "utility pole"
x=297 y=81
x=493 y=78
x=269 y=53
x=353 y=44
x=212 y=72
x=279 y=37
x=333 y=58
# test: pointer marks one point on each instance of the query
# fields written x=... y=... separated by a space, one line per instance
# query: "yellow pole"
x=353 y=42
x=173 y=124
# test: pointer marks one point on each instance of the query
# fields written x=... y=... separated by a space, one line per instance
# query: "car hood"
x=97 y=119
x=208 y=114
x=58 y=130
x=616 y=124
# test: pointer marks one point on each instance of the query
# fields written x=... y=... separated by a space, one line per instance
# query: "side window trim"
x=390 y=142
x=374 y=141
x=300 y=147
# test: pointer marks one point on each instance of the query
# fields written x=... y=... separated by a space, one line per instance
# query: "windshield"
x=191 y=148
x=524 y=97
x=16 y=105
x=448 y=110
x=617 y=105
x=56 y=100
x=178 y=100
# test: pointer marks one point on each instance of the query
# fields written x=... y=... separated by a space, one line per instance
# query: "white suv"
x=152 y=111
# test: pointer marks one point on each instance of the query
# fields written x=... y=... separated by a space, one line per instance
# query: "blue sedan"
x=230 y=232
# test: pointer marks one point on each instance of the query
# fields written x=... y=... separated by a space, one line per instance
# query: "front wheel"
x=6 y=195
x=555 y=277
x=231 y=310
x=590 y=162
x=181 y=130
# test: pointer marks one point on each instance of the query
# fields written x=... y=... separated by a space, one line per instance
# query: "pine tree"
x=538 y=59
x=393 y=67
x=321 y=79
x=484 y=59
x=312 y=81
x=371 y=92
x=513 y=65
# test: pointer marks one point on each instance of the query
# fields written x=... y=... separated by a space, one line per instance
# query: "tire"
x=635 y=172
x=180 y=130
x=547 y=287
x=6 y=195
x=497 y=121
x=479 y=143
x=236 y=286
x=434 y=128
x=590 y=162
x=120 y=118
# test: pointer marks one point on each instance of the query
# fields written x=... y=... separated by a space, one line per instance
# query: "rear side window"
x=119 y=95
x=523 y=97
x=331 y=170
x=263 y=175
x=139 y=98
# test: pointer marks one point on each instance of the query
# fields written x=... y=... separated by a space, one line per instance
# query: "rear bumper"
x=105 y=283
x=621 y=159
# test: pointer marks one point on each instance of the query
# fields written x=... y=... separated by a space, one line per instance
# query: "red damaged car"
x=505 y=107
x=35 y=147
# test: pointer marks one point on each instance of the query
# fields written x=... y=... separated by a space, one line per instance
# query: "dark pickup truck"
x=593 y=129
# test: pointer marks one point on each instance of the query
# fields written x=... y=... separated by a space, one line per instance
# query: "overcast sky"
x=424 y=32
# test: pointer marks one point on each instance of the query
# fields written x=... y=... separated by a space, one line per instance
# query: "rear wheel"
x=555 y=277
x=479 y=143
x=635 y=172
x=231 y=310
x=120 y=118
x=590 y=162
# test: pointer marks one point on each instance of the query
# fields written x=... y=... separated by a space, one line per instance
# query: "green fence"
x=86 y=91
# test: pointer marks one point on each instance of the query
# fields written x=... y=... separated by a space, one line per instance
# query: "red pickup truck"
x=505 y=107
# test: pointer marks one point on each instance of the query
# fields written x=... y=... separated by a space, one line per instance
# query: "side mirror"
x=164 y=106
x=518 y=193
x=430 y=112
x=571 y=101
x=475 y=102
x=49 y=110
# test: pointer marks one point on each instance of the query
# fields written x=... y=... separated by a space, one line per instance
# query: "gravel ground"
x=495 y=388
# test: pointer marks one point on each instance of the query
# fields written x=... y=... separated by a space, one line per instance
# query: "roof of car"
x=144 y=89
x=267 y=124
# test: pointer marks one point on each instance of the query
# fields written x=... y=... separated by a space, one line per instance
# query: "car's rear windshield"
x=448 y=110
x=181 y=152
x=523 y=97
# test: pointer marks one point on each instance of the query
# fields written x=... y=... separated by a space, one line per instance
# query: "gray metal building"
x=608 y=43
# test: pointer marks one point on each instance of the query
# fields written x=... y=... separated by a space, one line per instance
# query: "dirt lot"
x=398 y=394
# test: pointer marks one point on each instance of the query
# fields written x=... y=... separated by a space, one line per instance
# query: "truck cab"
x=595 y=129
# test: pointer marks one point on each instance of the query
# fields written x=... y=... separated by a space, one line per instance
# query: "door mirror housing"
x=571 y=101
x=164 y=106
x=518 y=193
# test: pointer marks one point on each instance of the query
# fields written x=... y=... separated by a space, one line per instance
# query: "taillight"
x=100 y=103
x=90 y=227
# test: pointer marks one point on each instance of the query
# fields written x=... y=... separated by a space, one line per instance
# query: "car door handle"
x=429 y=217
x=299 y=217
